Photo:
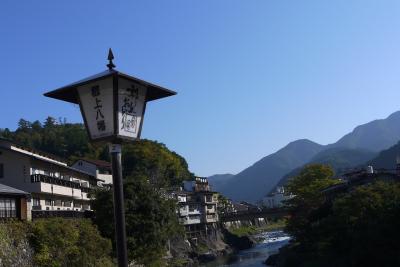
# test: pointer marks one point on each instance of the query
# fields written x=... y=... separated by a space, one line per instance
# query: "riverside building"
x=56 y=189
x=197 y=207
x=277 y=199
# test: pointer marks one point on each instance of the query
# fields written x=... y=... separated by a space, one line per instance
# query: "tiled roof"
x=4 y=189
x=98 y=163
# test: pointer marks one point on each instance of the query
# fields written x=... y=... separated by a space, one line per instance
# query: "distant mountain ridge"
x=339 y=159
x=387 y=158
x=375 y=136
x=250 y=184
x=219 y=180
x=355 y=148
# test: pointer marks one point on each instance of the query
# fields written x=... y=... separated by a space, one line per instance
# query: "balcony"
x=211 y=218
x=183 y=212
x=192 y=219
x=60 y=185
x=35 y=178
x=36 y=214
x=194 y=212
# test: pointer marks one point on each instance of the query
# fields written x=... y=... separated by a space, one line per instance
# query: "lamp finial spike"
x=110 y=58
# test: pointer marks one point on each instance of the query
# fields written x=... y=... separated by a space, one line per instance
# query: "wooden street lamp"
x=113 y=105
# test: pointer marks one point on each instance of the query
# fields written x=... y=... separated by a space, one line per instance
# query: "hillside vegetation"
x=357 y=228
x=148 y=168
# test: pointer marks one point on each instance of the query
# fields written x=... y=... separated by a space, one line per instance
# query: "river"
x=254 y=257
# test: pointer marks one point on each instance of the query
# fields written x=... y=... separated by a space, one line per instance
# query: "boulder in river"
x=272 y=260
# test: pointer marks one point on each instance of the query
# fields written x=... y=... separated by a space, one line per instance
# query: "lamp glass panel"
x=131 y=104
x=97 y=105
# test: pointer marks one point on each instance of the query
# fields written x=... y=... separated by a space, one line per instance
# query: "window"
x=36 y=201
x=48 y=202
x=192 y=208
x=57 y=202
x=67 y=203
x=194 y=217
x=1 y=170
x=7 y=208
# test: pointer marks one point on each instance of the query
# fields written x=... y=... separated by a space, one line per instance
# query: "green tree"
x=66 y=140
x=362 y=228
x=64 y=242
x=357 y=228
x=24 y=125
x=307 y=199
x=150 y=219
x=149 y=168
x=155 y=161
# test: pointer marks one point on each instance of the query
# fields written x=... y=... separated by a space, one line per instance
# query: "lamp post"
x=113 y=105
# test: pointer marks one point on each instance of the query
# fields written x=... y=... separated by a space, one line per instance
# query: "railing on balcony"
x=86 y=189
x=35 y=178
x=37 y=214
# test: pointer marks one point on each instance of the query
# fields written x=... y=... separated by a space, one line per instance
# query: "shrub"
x=65 y=242
x=14 y=246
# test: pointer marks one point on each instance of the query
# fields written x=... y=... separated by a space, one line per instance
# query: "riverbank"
x=252 y=230
x=225 y=243
x=200 y=249
x=269 y=244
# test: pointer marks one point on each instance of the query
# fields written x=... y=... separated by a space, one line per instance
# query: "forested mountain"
x=338 y=158
x=69 y=141
x=387 y=158
x=374 y=136
x=250 y=184
x=351 y=150
x=62 y=139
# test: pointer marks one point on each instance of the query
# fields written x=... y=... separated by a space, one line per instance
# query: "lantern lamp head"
x=112 y=103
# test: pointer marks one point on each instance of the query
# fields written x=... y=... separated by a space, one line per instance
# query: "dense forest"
x=149 y=168
x=69 y=141
x=356 y=228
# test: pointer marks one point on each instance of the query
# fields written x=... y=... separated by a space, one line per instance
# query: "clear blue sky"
x=251 y=76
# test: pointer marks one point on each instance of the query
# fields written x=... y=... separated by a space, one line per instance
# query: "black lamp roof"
x=68 y=93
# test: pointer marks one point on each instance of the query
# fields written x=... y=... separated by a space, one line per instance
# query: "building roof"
x=240 y=207
x=64 y=93
x=98 y=162
x=8 y=190
x=34 y=151
x=33 y=154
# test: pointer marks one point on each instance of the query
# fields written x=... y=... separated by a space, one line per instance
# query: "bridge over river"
x=254 y=216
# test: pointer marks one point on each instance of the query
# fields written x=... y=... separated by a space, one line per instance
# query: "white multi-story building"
x=189 y=211
x=277 y=198
x=53 y=185
x=197 y=206
x=99 y=168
